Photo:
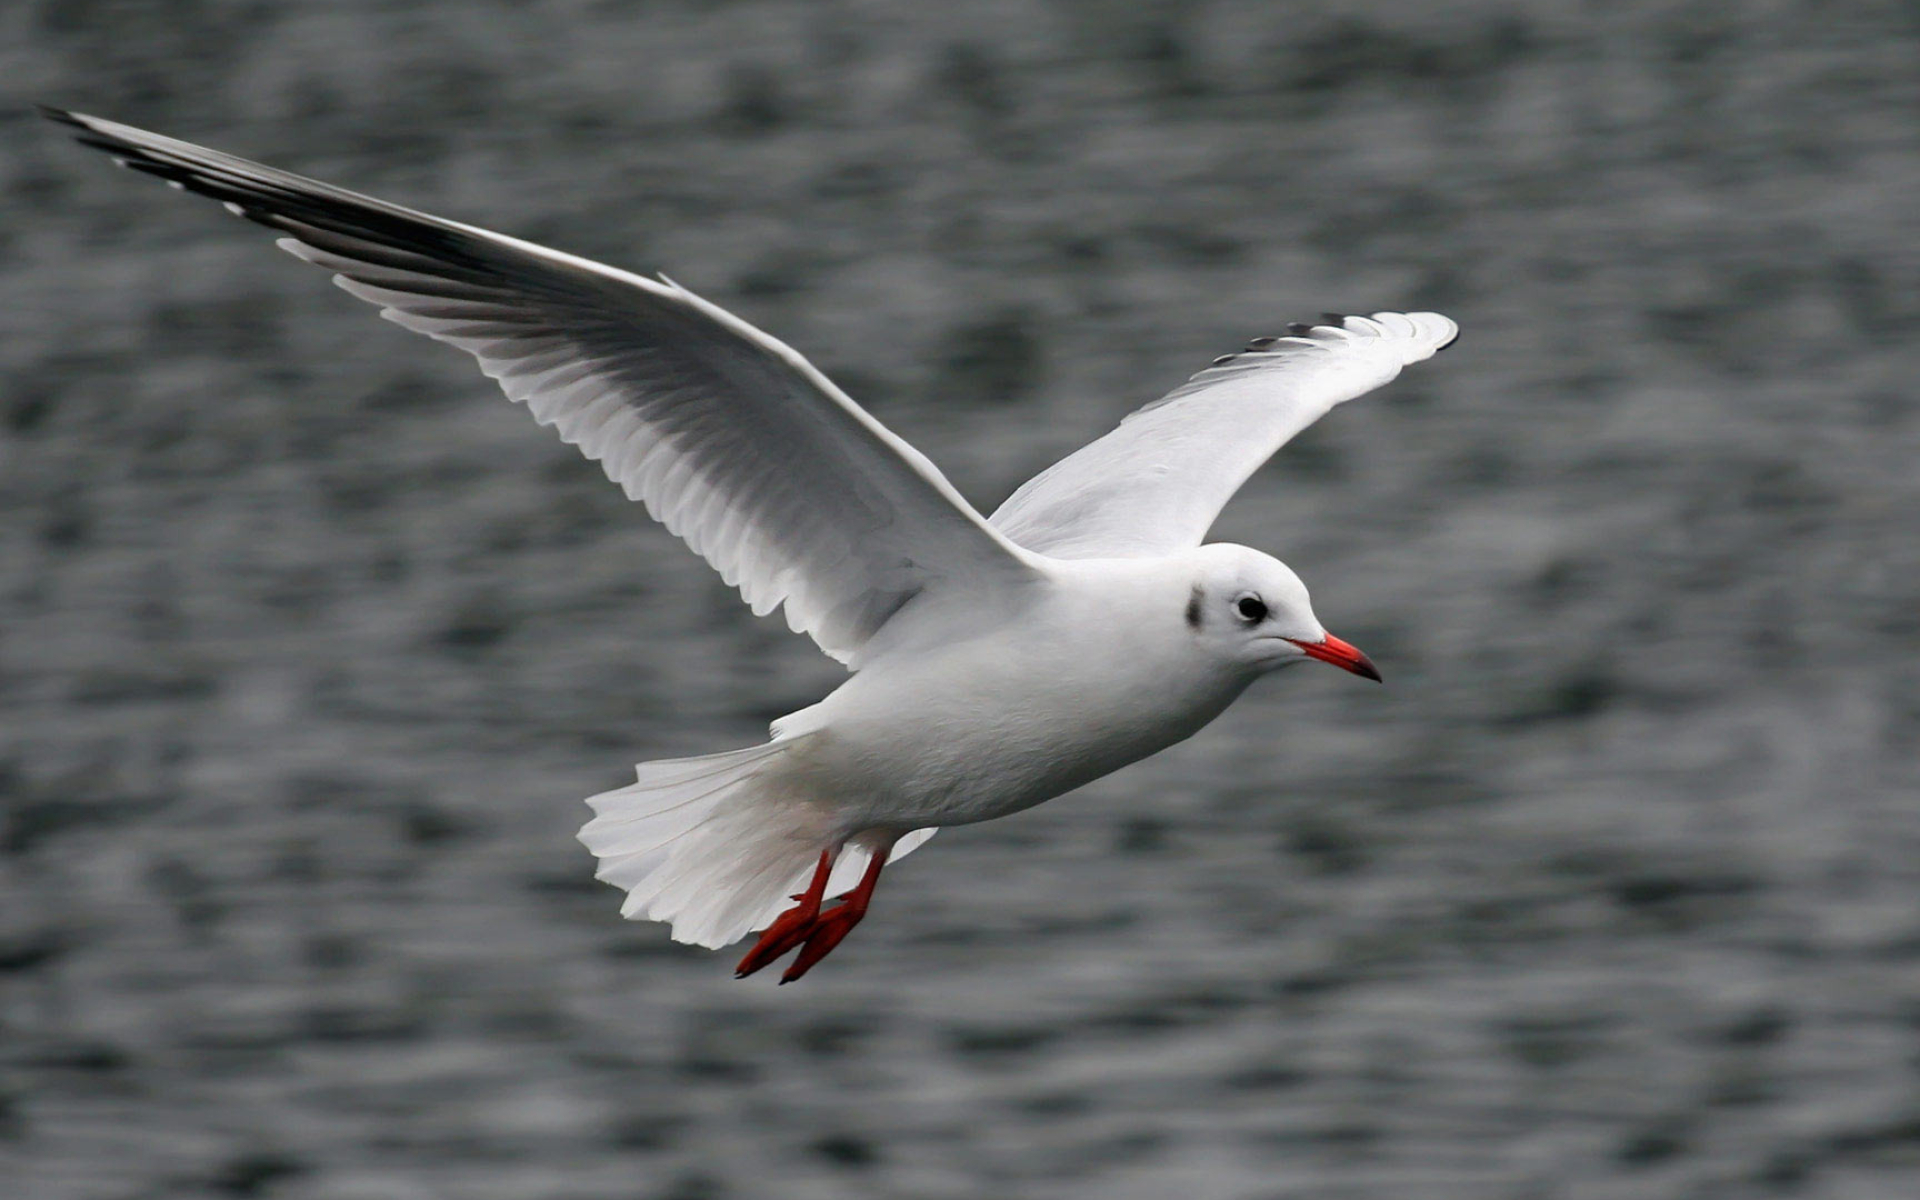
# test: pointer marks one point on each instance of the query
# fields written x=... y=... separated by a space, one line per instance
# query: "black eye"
x=1252 y=609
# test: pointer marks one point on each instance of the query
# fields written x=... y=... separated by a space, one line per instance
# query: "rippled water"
x=309 y=644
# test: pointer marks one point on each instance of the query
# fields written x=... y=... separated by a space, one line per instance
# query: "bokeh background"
x=310 y=644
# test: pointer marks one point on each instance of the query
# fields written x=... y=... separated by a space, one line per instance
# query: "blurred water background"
x=310 y=644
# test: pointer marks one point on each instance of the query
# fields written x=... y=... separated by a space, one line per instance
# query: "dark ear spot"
x=1196 y=602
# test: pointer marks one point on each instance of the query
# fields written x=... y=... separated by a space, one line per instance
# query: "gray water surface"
x=310 y=644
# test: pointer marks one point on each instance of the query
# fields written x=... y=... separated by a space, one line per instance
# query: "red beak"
x=1343 y=655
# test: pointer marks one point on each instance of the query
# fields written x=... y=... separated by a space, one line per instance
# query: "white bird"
x=996 y=663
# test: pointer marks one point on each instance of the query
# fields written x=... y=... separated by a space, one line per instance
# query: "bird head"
x=1251 y=609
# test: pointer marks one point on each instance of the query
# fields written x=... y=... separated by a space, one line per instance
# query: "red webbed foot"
x=791 y=927
x=828 y=929
x=807 y=926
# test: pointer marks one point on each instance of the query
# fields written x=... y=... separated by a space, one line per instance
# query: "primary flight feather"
x=997 y=663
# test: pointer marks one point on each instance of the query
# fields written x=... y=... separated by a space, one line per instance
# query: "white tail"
x=715 y=845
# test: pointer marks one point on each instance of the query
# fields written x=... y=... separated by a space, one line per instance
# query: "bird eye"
x=1252 y=609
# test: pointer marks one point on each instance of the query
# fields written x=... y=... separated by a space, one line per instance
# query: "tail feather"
x=715 y=845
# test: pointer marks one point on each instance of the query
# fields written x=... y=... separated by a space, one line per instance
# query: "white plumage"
x=1155 y=484
x=998 y=663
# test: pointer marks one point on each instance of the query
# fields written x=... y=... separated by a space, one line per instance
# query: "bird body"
x=997 y=663
x=1096 y=670
x=1091 y=665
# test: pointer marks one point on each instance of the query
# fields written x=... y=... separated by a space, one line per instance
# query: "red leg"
x=791 y=927
x=835 y=923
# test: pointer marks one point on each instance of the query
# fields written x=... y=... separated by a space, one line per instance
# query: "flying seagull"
x=995 y=662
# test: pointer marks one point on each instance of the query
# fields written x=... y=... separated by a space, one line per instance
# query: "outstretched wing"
x=730 y=438
x=1155 y=484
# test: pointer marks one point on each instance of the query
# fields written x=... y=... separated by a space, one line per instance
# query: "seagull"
x=995 y=662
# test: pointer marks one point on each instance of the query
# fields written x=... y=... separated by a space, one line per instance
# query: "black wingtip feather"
x=278 y=201
x=88 y=138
